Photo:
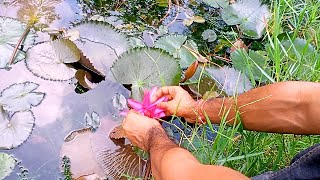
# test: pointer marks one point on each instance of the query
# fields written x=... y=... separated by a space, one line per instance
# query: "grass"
x=253 y=153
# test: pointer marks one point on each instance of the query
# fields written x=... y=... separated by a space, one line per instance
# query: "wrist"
x=157 y=139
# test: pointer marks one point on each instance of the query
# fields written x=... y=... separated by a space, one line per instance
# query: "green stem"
x=24 y=35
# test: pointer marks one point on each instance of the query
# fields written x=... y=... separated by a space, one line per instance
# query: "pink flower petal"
x=160 y=115
x=146 y=98
x=152 y=92
x=124 y=113
x=135 y=104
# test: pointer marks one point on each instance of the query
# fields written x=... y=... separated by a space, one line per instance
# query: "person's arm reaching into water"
x=168 y=161
x=286 y=107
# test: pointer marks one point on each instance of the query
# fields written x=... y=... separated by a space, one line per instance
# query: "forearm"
x=170 y=162
x=288 y=107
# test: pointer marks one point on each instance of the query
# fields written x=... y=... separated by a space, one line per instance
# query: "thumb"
x=163 y=105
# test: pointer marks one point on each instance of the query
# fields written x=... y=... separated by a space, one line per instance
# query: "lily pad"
x=92 y=121
x=230 y=80
x=49 y=60
x=254 y=64
x=7 y=164
x=209 y=35
x=15 y=130
x=250 y=14
x=20 y=97
x=146 y=68
x=179 y=47
x=11 y=31
x=101 y=43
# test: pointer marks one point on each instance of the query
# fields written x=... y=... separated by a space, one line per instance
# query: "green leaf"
x=254 y=64
x=217 y=3
x=179 y=47
x=162 y=3
x=101 y=44
x=7 y=164
x=48 y=60
x=10 y=32
x=20 y=97
x=16 y=129
x=146 y=68
x=250 y=14
x=209 y=35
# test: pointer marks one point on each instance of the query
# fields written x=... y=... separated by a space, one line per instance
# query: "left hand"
x=137 y=128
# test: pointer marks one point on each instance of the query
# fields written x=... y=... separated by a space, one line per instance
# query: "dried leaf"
x=81 y=77
x=190 y=71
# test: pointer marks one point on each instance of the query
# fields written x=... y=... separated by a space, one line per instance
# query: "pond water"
x=61 y=127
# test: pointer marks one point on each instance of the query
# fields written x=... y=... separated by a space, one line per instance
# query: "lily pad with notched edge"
x=179 y=47
x=250 y=14
x=49 y=60
x=20 y=97
x=100 y=43
x=7 y=164
x=11 y=31
x=15 y=130
x=145 y=68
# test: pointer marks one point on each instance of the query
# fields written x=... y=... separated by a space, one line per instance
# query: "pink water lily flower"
x=146 y=107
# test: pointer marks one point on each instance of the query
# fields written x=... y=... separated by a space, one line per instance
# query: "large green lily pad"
x=179 y=47
x=100 y=43
x=250 y=14
x=7 y=164
x=145 y=68
x=11 y=31
x=49 y=60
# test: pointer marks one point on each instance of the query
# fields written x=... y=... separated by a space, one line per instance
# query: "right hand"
x=180 y=103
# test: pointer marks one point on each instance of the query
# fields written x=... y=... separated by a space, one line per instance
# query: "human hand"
x=179 y=103
x=138 y=127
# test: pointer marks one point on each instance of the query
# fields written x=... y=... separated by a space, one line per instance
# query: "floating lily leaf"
x=254 y=64
x=7 y=164
x=179 y=47
x=92 y=121
x=49 y=60
x=101 y=44
x=119 y=102
x=15 y=131
x=146 y=68
x=217 y=3
x=20 y=97
x=209 y=35
x=229 y=80
x=10 y=32
x=250 y=14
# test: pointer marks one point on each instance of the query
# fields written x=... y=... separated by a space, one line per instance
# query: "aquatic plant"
x=7 y=164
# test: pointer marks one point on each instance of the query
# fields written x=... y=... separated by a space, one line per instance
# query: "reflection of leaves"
x=253 y=64
x=146 y=68
x=37 y=13
x=122 y=161
x=15 y=131
x=209 y=35
x=10 y=32
x=217 y=3
x=92 y=121
x=177 y=45
x=47 y=60
x=7 y=164
x=100 y=43
x=20 y=97
x=250 y=14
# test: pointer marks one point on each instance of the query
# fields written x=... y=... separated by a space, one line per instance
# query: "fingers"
x=168 y=91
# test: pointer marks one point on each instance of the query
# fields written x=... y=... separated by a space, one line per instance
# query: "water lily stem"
x=24 y=35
